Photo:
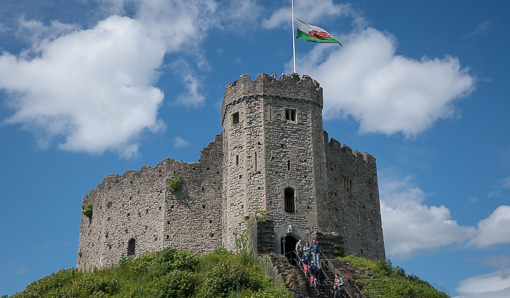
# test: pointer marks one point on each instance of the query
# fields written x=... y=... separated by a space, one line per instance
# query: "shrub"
x=176 y=284
x=87 y=210
x=227 y=277
x=174 y=183
x=160 y=263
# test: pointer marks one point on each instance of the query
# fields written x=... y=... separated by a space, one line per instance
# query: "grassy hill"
x=379 y=279
x=168 y=273
x=177 y=273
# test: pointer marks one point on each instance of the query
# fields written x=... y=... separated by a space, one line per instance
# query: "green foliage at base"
x=168 y=273
x=382 y=280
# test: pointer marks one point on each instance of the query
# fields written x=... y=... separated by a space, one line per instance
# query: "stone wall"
x=138 y=205
x=351 y=207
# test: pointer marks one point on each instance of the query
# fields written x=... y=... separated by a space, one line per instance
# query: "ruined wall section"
x=351 y=207
x=137 y=205
x=193 y=214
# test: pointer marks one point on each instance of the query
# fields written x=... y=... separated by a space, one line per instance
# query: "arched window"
x=131 y=247
x=290 y=205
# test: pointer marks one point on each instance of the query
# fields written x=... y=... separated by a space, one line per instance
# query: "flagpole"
x=293 y=38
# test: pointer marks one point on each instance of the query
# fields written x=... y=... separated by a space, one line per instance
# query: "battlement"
x=334 y=144
x=289 y=86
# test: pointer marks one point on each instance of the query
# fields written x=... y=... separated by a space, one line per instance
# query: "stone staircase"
x=295 y=280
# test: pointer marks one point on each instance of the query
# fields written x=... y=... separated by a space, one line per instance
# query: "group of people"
x=308 y=256
x=274 y=76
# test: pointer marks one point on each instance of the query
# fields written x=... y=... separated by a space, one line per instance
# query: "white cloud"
x=482 y=28
x=494 y=194
x=93 y=87
x=409 y=225
x=493 y=230
x=308 y=11
x=473 y=199
x=505 y=183
x=240 y=14
x=192 y=98
x=492 y=285
x=180 y=142
x=385 y=92
x=37 y=34
x=93 y=90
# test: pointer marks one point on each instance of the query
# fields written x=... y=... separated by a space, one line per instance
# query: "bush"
x=227 y=277
x=174 y=183
x=160 y=263
x=87 y=210
x=176 y=284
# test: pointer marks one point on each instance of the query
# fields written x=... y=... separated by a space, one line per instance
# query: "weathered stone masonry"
x=272 y=155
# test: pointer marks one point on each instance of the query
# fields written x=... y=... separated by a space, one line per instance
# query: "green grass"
x=168 y=273
x=382 y=280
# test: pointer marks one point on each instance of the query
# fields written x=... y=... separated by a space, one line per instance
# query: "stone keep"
x=273 y=157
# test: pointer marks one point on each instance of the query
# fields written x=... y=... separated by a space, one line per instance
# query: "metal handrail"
x=345 y=285
x=306 y=273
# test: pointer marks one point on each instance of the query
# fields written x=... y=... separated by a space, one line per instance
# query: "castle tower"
x=274 y=156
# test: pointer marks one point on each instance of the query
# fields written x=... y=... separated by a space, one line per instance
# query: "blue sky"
x=95 y=87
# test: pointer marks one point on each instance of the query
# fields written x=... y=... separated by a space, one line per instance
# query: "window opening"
x=288 y=165
x=131 y=247
x=255 y=161
x=290 y=114
x=237 y=160
x=235 y=118
x=289 y=200
x=347 y=184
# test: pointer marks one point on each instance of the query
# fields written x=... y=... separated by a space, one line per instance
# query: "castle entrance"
x=289 y=247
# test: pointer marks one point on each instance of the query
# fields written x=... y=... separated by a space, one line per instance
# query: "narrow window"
x=290 y=206
x=290 y=114
x=255 y=161
x=235 y=118
x=237 y=160
x=347 y=184
x=288 y=165
x=131 y=247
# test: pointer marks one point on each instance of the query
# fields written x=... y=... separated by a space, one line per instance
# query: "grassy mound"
x=168 y=273
x=379 y=279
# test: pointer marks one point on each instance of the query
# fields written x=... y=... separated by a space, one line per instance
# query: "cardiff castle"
x=272 y=174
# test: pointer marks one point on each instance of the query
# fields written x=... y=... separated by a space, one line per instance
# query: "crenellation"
x=346 y=149
x=272 y=156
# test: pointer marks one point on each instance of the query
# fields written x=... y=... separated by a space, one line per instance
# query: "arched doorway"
x=289 y=247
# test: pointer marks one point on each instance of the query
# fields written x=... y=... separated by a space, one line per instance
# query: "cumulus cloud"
x=493 y=230
x=313 y=11
x=409 y=225
x=492 y=285
x=93 y=87
x=385 y=92
x=93 y=90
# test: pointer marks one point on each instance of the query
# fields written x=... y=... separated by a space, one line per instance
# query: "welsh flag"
x=313 y=33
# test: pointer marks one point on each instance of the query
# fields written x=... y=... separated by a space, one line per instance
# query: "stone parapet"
x=291 y=86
